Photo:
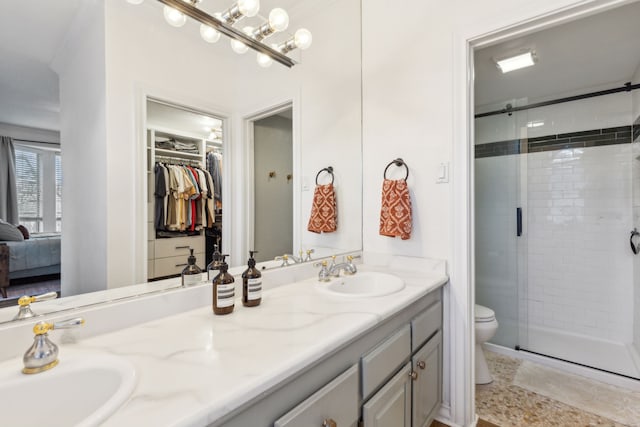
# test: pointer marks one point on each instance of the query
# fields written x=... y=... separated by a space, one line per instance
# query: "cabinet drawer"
x=381 y=362
x=337 y=401
x=425 y=324
x=171 y=266
x=179 y=246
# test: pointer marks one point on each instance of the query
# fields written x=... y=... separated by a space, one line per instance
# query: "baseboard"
x=444 y=416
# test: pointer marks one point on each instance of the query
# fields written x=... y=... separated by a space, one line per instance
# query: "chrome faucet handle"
x=333 y=261
x=284 y=258
x=24 y=303
x=43 y=353
x=350 y=268
x=309 y=252
x=323 y=274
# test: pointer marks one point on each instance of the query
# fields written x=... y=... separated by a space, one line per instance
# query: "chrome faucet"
x=323 y=274
x=309 y=252
x=24 y=303
x=43 y=354
x=348 y=267
x=284 y=258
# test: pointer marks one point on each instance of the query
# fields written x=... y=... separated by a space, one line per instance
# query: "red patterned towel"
x=323 y=212
x=395 y=215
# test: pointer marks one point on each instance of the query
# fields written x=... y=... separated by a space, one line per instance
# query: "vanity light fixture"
x=516 y=62
x=177 y=11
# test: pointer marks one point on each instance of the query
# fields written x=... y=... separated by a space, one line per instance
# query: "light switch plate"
x=442 y=175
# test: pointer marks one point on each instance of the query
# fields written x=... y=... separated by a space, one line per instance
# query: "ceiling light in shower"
x=516 y=62
x=535 y=124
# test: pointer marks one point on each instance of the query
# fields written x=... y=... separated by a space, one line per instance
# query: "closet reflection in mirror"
x=184 y=152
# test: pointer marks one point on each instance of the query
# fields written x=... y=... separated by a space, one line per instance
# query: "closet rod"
x=628 y=87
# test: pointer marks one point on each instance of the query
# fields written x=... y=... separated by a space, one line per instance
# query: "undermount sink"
x=83 y=390
x=364 y=284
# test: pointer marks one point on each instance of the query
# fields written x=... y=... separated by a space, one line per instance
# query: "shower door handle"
x=519 y=221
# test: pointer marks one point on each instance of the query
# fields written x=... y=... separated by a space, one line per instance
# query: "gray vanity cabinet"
x=391 y=406
x=335 y=404
x=412 y=395
x=427 y=381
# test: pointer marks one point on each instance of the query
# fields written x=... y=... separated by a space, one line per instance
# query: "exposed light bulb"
x=264 y=61
x=278 y=19
x=249 y=8
x=239 y=47
x=135 y=1
x=303 y=38
x=174 y=17
x=209 y=34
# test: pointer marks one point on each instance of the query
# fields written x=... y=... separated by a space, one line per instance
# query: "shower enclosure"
x=557 y=195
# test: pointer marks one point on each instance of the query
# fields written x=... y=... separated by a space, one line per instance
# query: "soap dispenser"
x=191 y=274
x=214 y=266
x=224 y=290
x=251 y=283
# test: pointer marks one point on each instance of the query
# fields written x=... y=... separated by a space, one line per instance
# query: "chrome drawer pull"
x=183 y=247
x=422 y=364
x=329 y=423
x=413 y=375
x=181 y=265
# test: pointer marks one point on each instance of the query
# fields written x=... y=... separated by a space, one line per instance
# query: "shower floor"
x=610 y=356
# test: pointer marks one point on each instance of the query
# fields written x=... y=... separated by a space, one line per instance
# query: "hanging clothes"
x=183 y=198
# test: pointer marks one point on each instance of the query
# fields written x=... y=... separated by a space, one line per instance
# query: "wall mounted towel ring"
x=329 y=170
x=634 y=247
x=398 y=162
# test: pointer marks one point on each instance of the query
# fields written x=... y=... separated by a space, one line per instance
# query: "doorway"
x=273 y=185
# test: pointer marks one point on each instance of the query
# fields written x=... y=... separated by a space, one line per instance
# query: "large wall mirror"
x=112 y=68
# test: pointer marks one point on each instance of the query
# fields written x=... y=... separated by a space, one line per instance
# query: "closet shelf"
x=174 y=153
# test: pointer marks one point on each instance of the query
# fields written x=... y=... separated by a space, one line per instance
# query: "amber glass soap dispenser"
x=251 y=283
x=224 y=290
x=191 y=274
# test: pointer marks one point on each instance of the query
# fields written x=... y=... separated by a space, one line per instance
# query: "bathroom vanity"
x=304 y=357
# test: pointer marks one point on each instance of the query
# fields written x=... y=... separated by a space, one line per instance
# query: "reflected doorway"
x=273 y=185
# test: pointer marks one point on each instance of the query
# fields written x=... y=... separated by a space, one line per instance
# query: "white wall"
x=80 y=65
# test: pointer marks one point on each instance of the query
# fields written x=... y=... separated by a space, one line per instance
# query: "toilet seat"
x=484 y=314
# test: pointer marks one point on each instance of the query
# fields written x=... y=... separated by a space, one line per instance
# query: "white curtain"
x=8 y=191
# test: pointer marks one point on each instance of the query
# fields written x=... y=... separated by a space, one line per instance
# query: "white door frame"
x=461 y=293
x=248 y=125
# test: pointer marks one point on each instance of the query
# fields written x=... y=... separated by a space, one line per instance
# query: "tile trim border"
x=582 y=139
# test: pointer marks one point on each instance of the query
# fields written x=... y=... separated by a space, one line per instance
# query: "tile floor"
x=508 y=405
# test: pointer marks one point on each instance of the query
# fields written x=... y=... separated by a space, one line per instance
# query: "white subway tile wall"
x=580 y=267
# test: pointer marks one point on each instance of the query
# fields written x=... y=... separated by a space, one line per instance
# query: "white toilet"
x=486 y=326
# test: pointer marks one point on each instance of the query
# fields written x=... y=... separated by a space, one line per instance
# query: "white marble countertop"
x=195 y=367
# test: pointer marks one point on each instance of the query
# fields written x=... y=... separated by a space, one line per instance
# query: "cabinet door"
x=427 y=385
x=335 y=404
x=391 y=406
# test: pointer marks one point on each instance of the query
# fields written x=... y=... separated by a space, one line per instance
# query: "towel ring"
x=329 y=170
x=398 y=162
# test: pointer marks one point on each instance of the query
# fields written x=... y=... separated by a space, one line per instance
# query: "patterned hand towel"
x=323 y=212
x=395 y=215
